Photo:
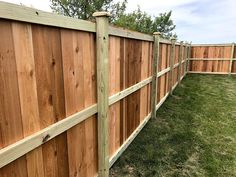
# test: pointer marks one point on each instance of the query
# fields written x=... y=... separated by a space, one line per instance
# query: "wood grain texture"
x=77 y=81
x=133 y=57
x=145 y=70
x=28 y=93
x=11 y=126
x=155 y=67
x=114 y=87
x=49 y=79
x=48 y=74
x=102 y=54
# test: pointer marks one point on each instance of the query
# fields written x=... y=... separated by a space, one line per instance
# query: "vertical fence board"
x=47 y=53
x=79 y=77
x=28 y=92
x=144 y=75
x=133 y=57
x=10 y=113
x=114 y=87
x=123 y=102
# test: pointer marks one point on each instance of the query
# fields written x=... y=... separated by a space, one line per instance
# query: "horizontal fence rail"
x=75 y=94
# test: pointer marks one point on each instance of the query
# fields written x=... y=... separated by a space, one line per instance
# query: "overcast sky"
x=199 y=21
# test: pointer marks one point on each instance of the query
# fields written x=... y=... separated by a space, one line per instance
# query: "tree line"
x=137 y=20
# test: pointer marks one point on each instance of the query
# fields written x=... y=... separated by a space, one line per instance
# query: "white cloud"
x=200 y=21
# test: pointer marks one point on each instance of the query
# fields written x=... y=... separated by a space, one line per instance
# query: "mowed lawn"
x=194 y=134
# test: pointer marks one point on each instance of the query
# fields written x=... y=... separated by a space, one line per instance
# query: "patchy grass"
x=194 y=133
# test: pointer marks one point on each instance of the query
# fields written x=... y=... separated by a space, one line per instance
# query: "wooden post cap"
x=101 y=14
x=157 y=33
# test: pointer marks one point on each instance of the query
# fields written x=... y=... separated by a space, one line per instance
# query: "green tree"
x=84 y=9
x=164 y=24
x=142 y=22
x=137 y=20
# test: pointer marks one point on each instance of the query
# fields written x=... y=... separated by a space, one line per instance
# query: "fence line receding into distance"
x=74 y=94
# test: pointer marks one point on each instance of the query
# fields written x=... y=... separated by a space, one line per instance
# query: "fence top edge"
x=206 y=45
x=26 y=14
x=20 y=13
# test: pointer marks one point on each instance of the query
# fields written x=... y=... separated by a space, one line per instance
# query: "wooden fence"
x=213 y=59
x=74 y=94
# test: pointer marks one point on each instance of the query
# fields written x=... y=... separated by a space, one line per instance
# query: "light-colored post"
x=172 y=59
x=231 y=59
x=186 y=58
x=180 y=58
x=102 y=42
x=156 y=45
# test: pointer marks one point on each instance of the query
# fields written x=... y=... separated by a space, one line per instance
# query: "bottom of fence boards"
x=128 y=141
x=162 y=101
x=199 y=72
x=134 y=134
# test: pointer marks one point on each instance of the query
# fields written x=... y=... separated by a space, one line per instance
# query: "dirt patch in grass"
x=194 y=133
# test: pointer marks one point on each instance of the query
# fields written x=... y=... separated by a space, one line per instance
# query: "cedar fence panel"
x=213 y=59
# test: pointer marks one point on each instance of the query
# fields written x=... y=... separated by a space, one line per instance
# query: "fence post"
x=186 y=56
x=102 y=44
x=172 y=58
x=156 y=36
x=180 y=59
x=231 y=59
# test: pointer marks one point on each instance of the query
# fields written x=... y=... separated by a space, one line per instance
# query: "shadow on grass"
x=184 y=139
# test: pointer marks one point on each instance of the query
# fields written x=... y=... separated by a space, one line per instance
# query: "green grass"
x=194 y=133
